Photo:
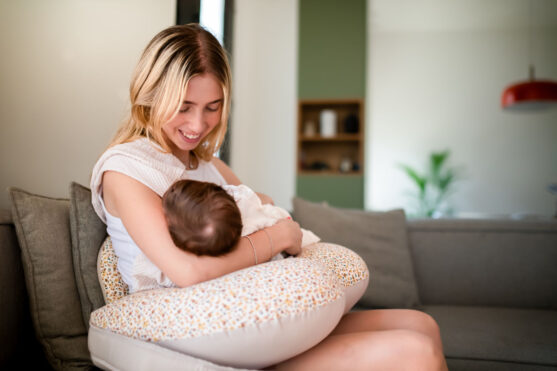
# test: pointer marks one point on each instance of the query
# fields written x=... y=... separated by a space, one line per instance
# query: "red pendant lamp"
x=533 y=94
x=530 y=95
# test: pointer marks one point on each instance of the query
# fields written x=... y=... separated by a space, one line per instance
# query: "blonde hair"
x=160 y=80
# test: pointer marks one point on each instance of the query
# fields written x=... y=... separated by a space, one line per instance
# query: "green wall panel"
x=345 y=191
x=332 y=65
x=332 y=49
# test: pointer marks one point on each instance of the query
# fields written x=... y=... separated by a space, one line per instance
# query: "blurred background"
x=429 y=75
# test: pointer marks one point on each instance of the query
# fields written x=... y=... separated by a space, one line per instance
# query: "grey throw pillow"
x=88 y=232
x=43 y=232
x=380 y=238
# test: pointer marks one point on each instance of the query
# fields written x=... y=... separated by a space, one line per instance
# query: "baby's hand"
x=265 y=199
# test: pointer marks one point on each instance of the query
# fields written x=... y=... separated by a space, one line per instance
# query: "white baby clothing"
x=256 y=215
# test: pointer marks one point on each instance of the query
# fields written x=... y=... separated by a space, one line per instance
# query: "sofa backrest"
x=485 y=262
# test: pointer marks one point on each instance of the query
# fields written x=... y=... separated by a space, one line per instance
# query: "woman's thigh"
x=389 y=319
x=369 y=350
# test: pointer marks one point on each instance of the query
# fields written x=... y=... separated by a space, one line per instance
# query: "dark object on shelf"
x=319 y=165
x=355 y=166
x=351 y=124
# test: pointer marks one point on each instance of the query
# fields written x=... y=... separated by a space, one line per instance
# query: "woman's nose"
x=196 y=121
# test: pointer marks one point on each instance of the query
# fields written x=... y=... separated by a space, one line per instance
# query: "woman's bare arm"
x=231 y=178
x=141 y=212
x=226 y=172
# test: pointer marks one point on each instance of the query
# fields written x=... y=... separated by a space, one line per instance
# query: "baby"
x=202 y=217
x=206 y=219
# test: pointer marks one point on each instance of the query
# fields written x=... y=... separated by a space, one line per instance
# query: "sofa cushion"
x=88 y=232
x=458 y=364
x=509 y=263
x=378 y=237
x=497 y=334
x=43 y=231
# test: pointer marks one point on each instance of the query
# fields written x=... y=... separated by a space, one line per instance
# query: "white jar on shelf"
x=328 y=123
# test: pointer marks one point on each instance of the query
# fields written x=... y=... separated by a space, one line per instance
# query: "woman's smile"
x=190 y=138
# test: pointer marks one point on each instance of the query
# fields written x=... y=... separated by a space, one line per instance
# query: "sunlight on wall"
x=211 y=16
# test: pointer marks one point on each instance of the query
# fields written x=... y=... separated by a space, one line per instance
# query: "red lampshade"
x=533 y=94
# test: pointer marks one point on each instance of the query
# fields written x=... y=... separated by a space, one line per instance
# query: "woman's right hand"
x=287 y=236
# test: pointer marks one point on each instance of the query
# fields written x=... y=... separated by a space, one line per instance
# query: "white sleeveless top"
x=146 y=162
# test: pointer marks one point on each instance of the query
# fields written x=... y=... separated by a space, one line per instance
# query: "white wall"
x=65 y=69
x=263 y=125
x=64 y=77
x=434 y=88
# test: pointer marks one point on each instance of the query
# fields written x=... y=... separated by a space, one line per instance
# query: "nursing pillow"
x=252 y=318
x=112 y=285
x=349 y=267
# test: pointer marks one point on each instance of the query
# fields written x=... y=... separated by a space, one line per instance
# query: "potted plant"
x=433 y=186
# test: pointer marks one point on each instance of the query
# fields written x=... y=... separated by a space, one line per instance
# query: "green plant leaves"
x=434 y=186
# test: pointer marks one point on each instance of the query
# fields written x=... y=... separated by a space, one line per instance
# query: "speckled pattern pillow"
x=237 y=319
x=110 y=279
x=350 y=269
x=250 y=318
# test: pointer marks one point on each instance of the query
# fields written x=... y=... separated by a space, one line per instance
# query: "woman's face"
x=199 y=113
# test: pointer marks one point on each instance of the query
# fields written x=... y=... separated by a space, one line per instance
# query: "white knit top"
x=145 y=162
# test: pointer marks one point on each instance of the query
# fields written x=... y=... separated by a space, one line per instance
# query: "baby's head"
x=202 y=217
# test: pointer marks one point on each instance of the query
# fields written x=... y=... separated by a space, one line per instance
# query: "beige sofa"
x=490 y=284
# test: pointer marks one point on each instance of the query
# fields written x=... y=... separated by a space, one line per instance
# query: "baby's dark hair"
x=202 y=217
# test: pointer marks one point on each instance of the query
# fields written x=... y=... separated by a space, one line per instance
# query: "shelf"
x=344 y=150
x=329 y=172
x=337 y=138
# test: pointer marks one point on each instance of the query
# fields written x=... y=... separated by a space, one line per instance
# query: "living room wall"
x=437 y=72
x=64 y=77
x=434 y=82
x=427 y=89
x=263 y=119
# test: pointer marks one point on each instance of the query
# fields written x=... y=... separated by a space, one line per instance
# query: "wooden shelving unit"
x=341 y=154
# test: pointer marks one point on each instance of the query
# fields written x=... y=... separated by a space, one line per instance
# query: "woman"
x=180 y=98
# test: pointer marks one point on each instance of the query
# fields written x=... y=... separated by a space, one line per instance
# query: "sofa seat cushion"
x=527 y=336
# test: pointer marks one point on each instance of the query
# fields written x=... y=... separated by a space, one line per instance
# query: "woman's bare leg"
x=390 y=319
x=376 y=340
x=370 y=350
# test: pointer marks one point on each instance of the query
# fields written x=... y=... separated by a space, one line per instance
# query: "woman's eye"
x=184 y=109
x=212 y=108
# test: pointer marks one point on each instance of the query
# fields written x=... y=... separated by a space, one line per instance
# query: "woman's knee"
x=419 y=351
x=424 y=323
x=428 y=323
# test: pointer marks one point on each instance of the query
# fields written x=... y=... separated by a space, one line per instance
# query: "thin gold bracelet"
x=270 y=242
x=253 y=247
